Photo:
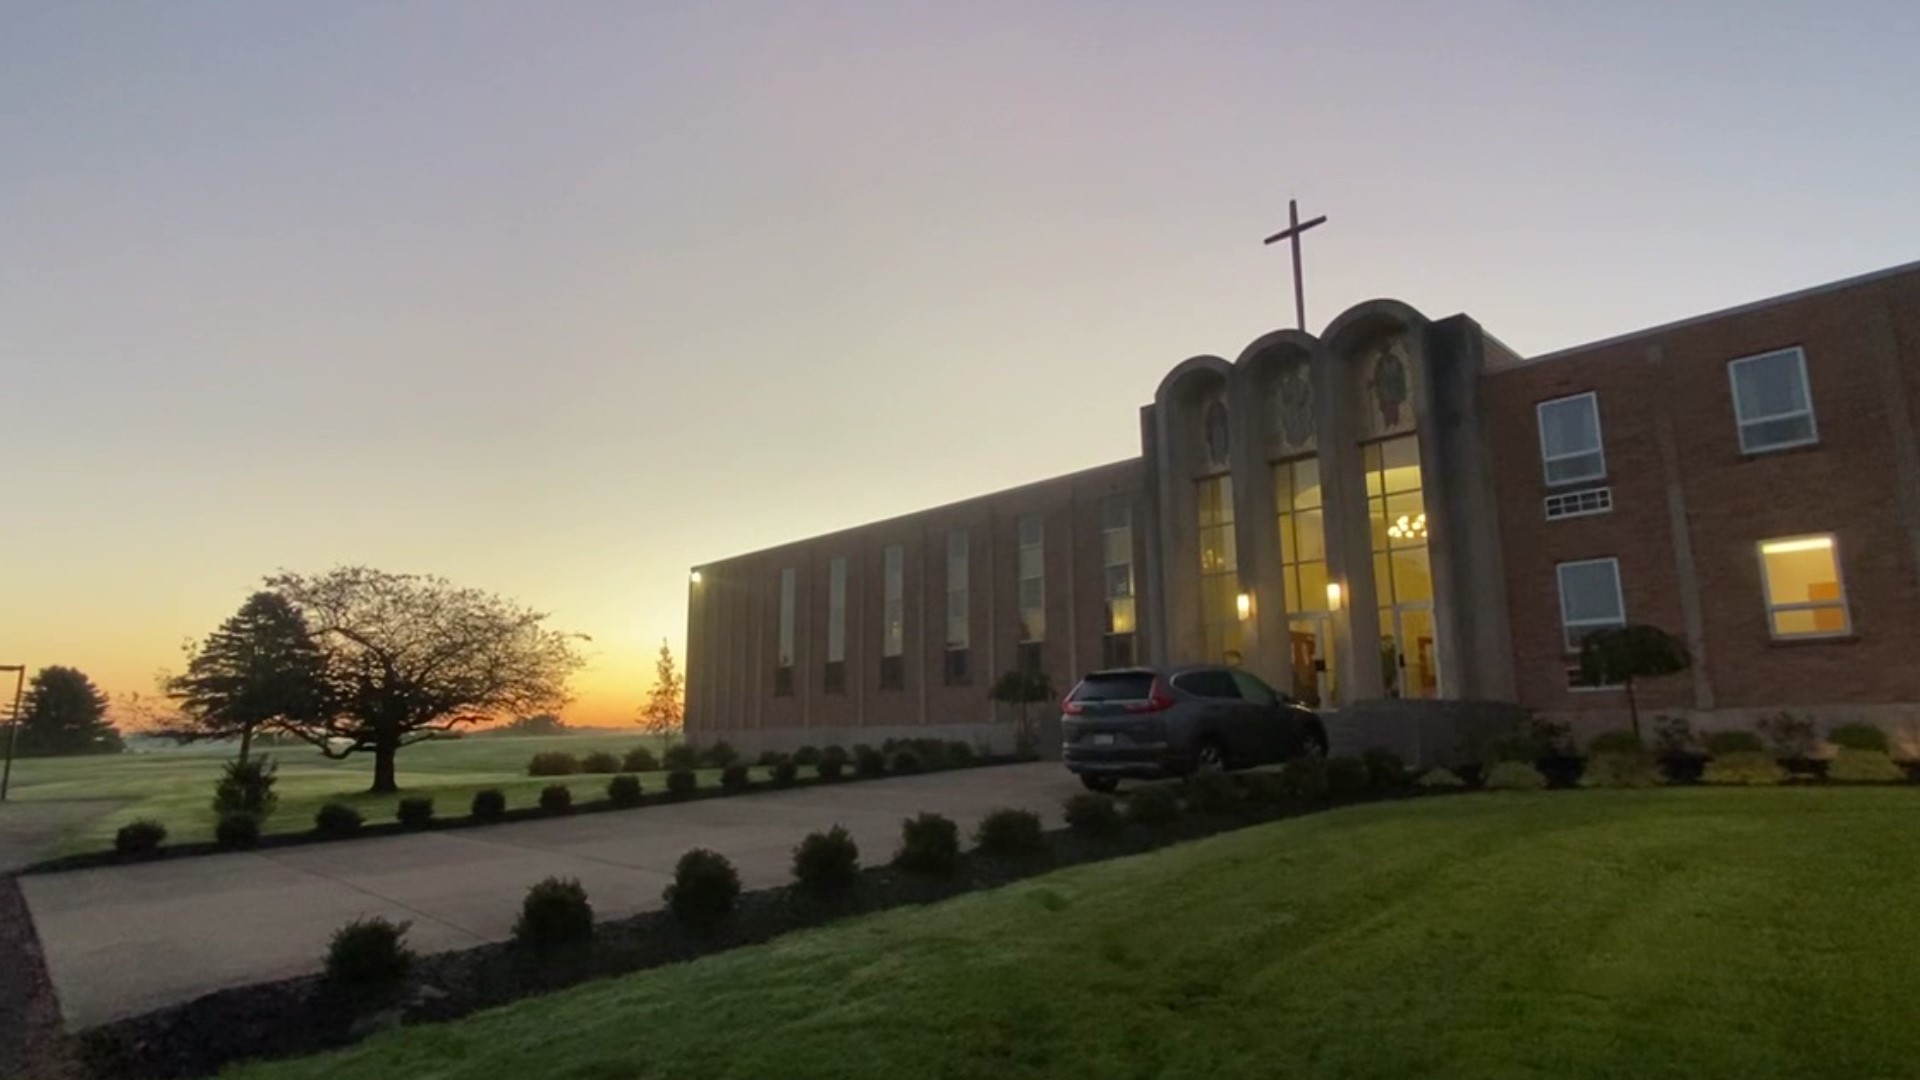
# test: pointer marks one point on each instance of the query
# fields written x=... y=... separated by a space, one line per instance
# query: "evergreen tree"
x=260 y=670
x=64 y=713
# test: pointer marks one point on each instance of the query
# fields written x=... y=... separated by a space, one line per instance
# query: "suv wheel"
x=1315 y=745
x=1102 y=784
x=1210 y=756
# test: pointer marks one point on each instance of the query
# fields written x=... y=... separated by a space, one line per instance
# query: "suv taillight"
x=1070 y=707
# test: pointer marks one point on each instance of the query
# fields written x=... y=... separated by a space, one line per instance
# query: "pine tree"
x=64 y=713
x=664 y=714
x=261 y=669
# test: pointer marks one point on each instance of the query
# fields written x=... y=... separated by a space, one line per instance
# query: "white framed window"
x=959 y=635
x=1571 y=451
x=788 y=576
x=1772 y=402
x=837 y=610
x=1032 y=571
x=1806 y=597
x=1590 y=599
x=893 y=616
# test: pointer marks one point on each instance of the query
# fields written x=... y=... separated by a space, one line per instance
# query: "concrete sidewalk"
x=126 y=940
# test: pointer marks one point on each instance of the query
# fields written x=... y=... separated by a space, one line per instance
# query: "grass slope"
x=1686 y=933
x=175 y=787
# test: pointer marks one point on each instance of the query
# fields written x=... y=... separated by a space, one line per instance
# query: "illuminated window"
x=1219 y=570
x=893 y=617
x=959 y=631
x=1771 y=401
x=783 y=670
x=1570 y=449
x=1303 y=571
x=1033 y=578
x=835 y=681
x=1116 y=556
x=1590 y=599
x=1805 y=596
x=1402 y=572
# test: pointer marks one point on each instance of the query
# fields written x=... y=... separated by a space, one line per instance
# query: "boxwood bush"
x=1440 y=779
x=237 y=829
x=368 y=960
x=681 y=782
x=785 y=772
x=489 y=804
x=959 y=753
x=1093 y=813
x=638 y=760
x=142 y=837
x=337 y=819
x=869 y=762
x=624 y=791
x=1749 y=767
x=1859 y=736
x=553 y=763
x=1622 y=769
x=1721 y=743
x=1515 y=776
x=415 y=811
x=704 y=890
x=556 y=799
x=807 y=755
x=907 y=761
x=554 y=916
x=720 y=755
x=600 y=761
x=1304 y=781
x=1864 y=766
x=831 y=768
x=929 y=844
x=1386 y=770
x=827 y=863
x=1008 y=831
x=684 y=756
x=1155 y=804
x=735 y=778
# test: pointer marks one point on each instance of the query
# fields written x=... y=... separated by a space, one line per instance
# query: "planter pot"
x=1683 y=768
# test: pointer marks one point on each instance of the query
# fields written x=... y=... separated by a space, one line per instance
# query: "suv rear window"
x=1118 y=686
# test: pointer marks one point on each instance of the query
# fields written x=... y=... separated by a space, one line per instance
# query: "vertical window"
x=1590 y=599
x=783 y=671
x=893 y=617
x=836 y=672
x=1402 y=572
x=1771 y=401
x=1303 y=573
x=1570 y=446
x=1805 y=596
x=1219 y=570
x=1033 y=590
x=1116 y=556
x=959 y=629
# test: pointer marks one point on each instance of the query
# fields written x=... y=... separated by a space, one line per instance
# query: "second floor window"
x=783 y=669
x=1570 y=447
x=836 y=671
x=1033 y=578
x=1590 y=599
x=1771 y=401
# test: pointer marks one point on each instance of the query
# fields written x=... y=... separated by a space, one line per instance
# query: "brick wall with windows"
x=1816 y=472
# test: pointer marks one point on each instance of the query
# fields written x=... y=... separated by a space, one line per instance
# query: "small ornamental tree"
x=1022 y=688
x=665 y=713
x=1621 y=655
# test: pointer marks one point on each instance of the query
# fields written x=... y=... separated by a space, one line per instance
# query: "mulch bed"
x=31 y=1046
x=296 y=1017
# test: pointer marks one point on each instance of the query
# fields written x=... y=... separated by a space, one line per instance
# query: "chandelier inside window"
x=1409 y=528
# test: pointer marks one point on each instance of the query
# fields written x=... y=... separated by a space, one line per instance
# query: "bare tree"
x=665 y=712
x=410 y=657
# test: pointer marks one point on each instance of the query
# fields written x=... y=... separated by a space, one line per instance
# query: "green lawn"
x=175 y=786
x=1688 y=933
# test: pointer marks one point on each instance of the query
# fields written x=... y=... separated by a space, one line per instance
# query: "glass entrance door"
x=1312 y=637
x=1415 y=669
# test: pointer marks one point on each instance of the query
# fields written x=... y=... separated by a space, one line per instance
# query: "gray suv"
x=1141 y=723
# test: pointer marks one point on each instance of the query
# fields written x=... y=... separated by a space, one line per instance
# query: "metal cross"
x=1292 y=232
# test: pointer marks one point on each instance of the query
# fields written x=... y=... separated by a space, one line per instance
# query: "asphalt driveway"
x=125 y=940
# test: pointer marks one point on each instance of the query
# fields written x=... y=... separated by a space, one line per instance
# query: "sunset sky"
x=559 y=299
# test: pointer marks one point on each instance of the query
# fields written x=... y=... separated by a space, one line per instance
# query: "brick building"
x=1397 y=508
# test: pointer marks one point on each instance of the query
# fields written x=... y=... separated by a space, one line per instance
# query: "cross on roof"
x=1292 y=232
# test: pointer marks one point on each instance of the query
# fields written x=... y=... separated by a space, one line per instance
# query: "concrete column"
x=1356 y=626
x=1686 y=578
x=1265 y=650
x=1151 y=612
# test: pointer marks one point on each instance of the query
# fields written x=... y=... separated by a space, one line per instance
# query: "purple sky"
x=561 y=298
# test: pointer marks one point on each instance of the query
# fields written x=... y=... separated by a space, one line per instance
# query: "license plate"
x=1103 y=740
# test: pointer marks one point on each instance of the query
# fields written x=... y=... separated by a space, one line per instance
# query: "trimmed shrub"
x=624 y=791
x=1440 y=778
x=959 y=754
x=600 y=761
x=237 y=829
x=907 y=762
x=1263 y=788
x=556 y=799
x=681 y=782
x=142 y=837
x=368 y=959
x=1212 y=793
x=415 y=811
x=1673 y=735
x=1722 y=743
x=929 y=844
x=1859 y=736
x=1386 y=770
x=1864 y=767
x=639 y=760
x=770 y=758
x=1623 y=741
x=1155 y=804
x=734 y=778
x=1008 y=831
x=337 y=819
x=836 y=753
x=1347 y=779
x=1622 y=769
x=831 y=768
x=807 y=755
x=785 y=772
x=1094 y=814
x=720 y=755
x=826 y=863
x=553 y=763
x=704 y=890
x=489 y=804
x=554 y=916
x=1304 y=781
x=246 y=787
x=1751 y=767
x=1515 y=776
x=1790 y=736
x=869 y=762
x=684 y=756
